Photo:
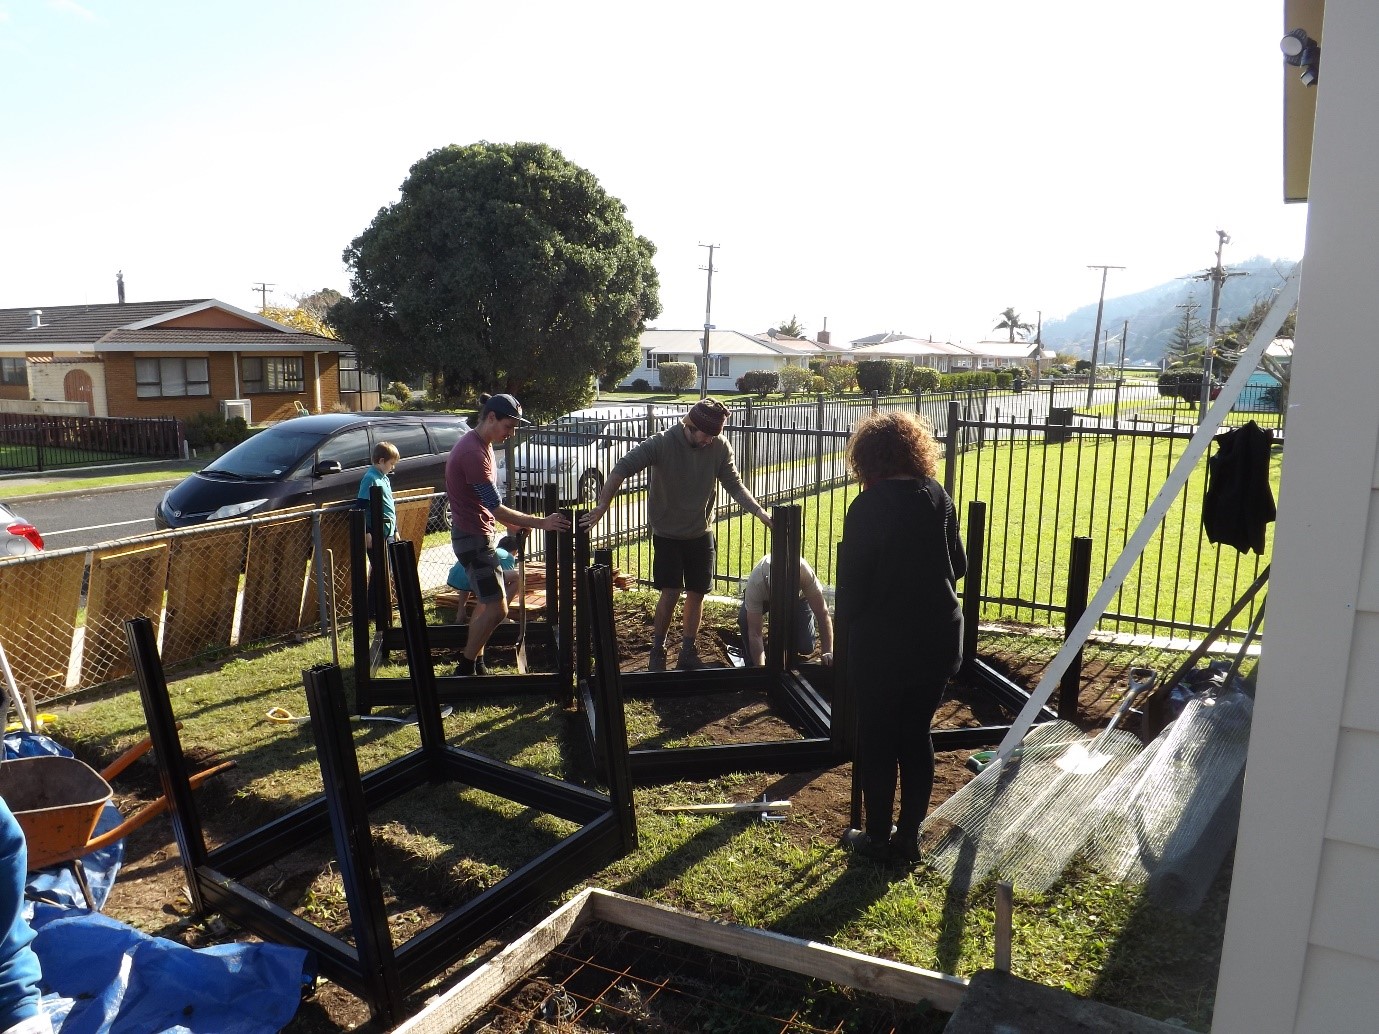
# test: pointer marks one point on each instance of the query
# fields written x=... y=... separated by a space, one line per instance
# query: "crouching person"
x=809 y=612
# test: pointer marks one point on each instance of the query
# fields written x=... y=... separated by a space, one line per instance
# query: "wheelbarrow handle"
x=128 y=758
x=149 y=812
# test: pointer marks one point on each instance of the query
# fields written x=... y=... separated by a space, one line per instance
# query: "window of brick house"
x=272 y=373
x=171 y=378
x=14 y=371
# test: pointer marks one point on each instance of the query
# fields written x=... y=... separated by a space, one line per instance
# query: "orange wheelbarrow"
x=58 y=801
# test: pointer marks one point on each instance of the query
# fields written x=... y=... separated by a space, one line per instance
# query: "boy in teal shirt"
x=385 y=457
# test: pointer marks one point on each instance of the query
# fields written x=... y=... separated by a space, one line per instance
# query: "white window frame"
x=273 y=375
x=719 y=366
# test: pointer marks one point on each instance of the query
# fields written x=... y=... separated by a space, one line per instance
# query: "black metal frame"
x=792 y=693
x=371 y=966
x=555 y=632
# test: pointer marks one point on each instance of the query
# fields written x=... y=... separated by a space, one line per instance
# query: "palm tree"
x=1010 y=321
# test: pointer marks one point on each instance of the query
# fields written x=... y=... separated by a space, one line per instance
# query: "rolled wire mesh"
x=963 y=836
x=1036 y=845
x=1157 y=814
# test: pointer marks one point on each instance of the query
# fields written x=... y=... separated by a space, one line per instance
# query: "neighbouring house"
x=174 y=358
x=731 y=354
x=937 y=355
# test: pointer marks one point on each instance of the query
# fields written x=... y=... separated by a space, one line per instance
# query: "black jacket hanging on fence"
x=1239 y=503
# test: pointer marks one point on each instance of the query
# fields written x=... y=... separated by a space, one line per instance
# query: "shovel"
x=1085 y=757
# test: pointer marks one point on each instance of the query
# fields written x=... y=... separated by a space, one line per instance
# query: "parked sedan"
x=315 y=460
x=20 y=536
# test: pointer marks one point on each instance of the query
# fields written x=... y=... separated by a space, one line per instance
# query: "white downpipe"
x=1196 y=448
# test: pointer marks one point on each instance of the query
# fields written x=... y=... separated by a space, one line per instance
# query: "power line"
x=708 y=324
x=263 y=290
x=1096 y=334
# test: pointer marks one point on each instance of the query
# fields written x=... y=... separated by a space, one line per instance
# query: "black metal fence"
x=1046 y=472
x=37 y=441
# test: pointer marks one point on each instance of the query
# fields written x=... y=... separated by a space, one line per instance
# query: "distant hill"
x=1153 y=314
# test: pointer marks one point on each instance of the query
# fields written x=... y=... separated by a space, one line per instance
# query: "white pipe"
x=1196 y=448
x=25 y=718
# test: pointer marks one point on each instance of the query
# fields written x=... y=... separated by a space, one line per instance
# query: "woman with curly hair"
x=899 y=563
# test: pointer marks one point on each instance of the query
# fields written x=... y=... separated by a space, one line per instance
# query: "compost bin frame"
x=373 y=967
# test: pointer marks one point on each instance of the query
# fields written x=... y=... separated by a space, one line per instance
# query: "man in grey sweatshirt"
x=686 y=462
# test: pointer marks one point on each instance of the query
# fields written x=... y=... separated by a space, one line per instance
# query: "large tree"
x=503 y=267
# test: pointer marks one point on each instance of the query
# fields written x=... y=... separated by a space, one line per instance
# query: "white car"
x=576 y=451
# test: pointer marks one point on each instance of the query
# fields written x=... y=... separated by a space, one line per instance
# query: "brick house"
x=173 y=358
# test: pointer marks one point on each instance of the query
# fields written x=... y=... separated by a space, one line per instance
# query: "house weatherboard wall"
x=731 y=354
x=167 y=358
x=1302 y=935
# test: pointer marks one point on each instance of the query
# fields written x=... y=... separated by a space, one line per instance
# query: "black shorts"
x=481 y=566
x=682 y=563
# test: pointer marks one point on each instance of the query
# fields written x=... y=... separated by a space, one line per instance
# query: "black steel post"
x=1079 y=580
x=950 y=448
x=975 y=547
x=167 y=751
x=349 y=823
x=402 y=558
x=565 y=643
x=359 y=614
x=584 y=664
x=610 y=722
x=381 y=603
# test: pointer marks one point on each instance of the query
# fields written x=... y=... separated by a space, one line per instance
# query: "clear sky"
x=889 y=166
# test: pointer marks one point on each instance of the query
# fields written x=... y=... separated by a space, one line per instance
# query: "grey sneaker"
x=656 y=660
x=689 y=659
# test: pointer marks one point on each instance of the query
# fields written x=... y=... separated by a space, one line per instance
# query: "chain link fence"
x=209 y=589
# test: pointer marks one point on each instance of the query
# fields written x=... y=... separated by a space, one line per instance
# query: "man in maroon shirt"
x=472 y=487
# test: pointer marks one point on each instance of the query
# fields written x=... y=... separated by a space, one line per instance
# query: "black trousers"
x=893 y=720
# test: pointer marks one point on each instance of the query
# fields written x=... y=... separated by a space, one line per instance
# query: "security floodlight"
x=1302 y=51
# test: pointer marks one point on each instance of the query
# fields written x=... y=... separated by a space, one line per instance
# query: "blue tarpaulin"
x=101 y=976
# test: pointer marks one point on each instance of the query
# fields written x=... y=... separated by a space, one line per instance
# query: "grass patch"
x=59 y=482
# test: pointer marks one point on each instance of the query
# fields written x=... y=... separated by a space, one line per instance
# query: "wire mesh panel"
x=39 y=600
x=203 y=591
x=275 y=578
x=125 y=581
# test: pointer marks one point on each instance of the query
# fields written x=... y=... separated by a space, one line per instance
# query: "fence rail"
x=42 y=441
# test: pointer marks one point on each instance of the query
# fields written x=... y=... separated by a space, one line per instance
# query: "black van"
x=316 y=460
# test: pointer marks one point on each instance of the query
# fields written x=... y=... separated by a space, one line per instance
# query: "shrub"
x=922 y=378
x=1082 y=366
x=399 y=391
x=1271 y=396
x=1003 y=378
x=818 y=385
x=759 y=382
x=840 y=376
x=1182 y=382
x=211 y=430
x=795 y=379
x=677 y=377
x=973 y=380
x=875 y=375
x=641 y=384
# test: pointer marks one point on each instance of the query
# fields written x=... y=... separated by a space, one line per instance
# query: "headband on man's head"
x=709 y=415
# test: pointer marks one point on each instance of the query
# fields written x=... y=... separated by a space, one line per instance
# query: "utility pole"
x=1218 y=276
x=708 y=325
x=1124 y=333
x=263 y=290
x=1096 y=334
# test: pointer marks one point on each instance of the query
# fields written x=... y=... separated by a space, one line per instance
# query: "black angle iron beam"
x=643 y=684
x=609 y=724
x=545 y=794
x=545 y=877
x=1006 y=692
x=797 y=699
x=654 y=767
x=338 y=961
x=974 y=738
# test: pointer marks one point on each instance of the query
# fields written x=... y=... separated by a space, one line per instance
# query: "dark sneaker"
x=689 y=659
x=864 y=845
x=656 y=660
x=905 y=850
x=474 y=667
